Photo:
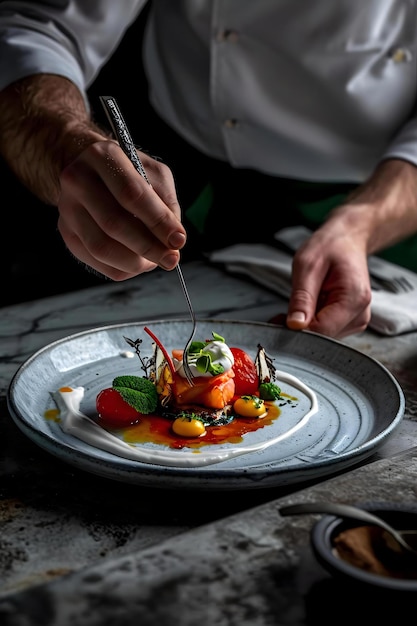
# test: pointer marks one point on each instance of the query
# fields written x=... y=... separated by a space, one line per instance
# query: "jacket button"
x=401 y=55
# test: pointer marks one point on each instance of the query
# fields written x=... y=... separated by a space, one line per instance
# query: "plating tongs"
x=121 y=132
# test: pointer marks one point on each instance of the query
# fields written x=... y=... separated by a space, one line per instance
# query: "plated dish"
x=359 y=404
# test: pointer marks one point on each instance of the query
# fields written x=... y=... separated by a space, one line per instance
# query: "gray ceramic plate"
x=360 y=403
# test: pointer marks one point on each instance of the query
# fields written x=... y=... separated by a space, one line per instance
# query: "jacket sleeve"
x=71 y=38
x=404 y=143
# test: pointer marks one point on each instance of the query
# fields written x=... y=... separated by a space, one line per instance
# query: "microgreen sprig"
x=200 y=356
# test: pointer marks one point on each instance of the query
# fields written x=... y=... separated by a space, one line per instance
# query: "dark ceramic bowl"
x=400 y=571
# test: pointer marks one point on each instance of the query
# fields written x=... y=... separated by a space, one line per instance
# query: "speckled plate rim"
x=337 y=367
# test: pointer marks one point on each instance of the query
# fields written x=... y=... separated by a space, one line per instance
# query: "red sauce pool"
x=156 y=429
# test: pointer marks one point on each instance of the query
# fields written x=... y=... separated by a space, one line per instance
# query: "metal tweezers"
x=121 y=131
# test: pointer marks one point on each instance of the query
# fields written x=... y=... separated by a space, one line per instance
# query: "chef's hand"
x=112 y=220
x=331 y=291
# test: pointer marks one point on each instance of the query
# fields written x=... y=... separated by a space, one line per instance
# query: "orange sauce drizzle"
x=157 y=429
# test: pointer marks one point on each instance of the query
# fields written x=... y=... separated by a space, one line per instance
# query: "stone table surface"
x=254 y=568
x=77 y=548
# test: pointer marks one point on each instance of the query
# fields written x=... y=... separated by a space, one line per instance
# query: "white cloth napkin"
x=391 y=313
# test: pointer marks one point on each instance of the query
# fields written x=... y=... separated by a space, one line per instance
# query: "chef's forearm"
x=44 y=125
x=382 y=211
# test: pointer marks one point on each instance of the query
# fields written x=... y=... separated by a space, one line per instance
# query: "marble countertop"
x=60 y=525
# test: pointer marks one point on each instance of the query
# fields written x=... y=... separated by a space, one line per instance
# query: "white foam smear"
x=76 y=424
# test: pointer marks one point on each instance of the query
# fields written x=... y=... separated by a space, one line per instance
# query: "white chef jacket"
x=317 y=90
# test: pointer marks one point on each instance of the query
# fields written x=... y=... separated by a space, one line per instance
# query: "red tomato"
x=113 y=410
x=246 y=376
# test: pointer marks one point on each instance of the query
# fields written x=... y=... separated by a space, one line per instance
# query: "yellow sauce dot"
x=52 y=414
x=66 y=389
x=188 y=427
x=249 y=406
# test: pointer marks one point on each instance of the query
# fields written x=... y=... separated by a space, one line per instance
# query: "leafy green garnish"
x=269 y=391
x=204 y=364
x=137 y=391
x=200 y=356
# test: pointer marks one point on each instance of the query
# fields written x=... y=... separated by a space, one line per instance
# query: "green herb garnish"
x=269 y=391
x=137 y=391
x=201 y=356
